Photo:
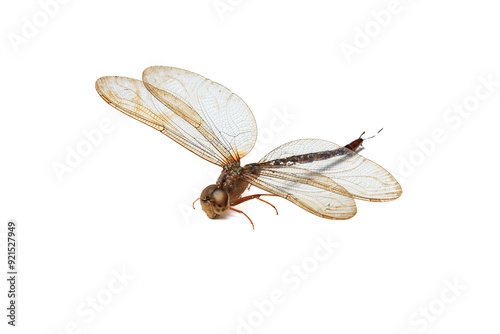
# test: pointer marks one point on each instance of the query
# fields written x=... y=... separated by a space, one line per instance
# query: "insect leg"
x=195 y=202
x=239 y=211
x=257 y=196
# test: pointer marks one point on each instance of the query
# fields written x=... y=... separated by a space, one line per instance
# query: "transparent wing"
x=360 y=177
x=131 y=97
x=311 y=191
x=220 y=116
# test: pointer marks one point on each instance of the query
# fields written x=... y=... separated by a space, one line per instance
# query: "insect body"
x=214 y=123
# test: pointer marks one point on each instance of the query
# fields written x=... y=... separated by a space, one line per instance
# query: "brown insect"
x=212 y=122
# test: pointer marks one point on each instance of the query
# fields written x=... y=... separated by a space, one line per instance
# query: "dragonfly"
x=209 y=120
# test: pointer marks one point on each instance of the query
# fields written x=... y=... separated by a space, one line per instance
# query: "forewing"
x=219 y=115
x=309 y=190
x=131 y=97
x=361 y=177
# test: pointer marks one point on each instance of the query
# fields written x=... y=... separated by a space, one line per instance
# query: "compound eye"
x=220 y=197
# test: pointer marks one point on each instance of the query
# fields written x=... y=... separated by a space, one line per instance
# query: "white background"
x=125 y=206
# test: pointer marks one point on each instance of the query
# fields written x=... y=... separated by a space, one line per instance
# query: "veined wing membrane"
x=222 y=117
x=131 y=97
x=361 y=177
x=310 y=191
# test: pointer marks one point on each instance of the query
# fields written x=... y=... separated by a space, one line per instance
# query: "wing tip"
x=99 y=88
